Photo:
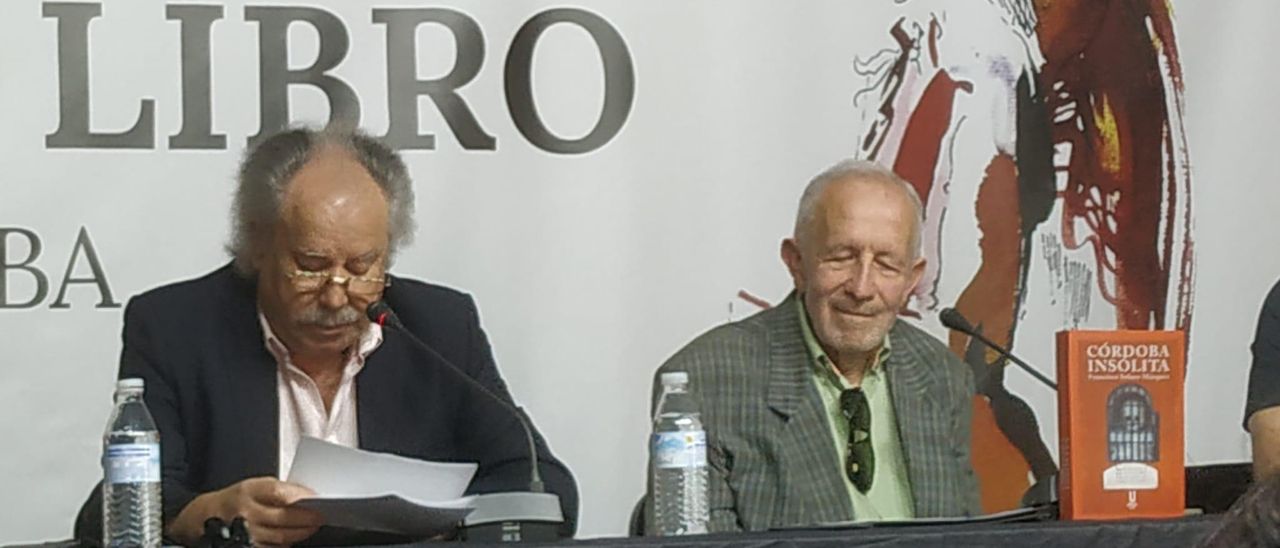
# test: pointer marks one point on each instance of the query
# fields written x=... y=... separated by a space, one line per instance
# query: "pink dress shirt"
x=302 y=411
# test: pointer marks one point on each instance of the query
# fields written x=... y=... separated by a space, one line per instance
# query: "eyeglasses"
x=860 y=457
x=307 y=281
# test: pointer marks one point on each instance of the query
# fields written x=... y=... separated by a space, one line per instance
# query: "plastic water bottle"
x=679 y=450
x=131 y=512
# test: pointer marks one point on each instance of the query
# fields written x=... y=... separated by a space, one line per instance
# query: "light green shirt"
x=890 y=494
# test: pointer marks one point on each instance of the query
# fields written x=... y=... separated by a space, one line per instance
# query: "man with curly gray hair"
x=244 y=362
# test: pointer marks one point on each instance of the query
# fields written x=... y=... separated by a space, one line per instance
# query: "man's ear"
x=916 y=273
x=795 y=265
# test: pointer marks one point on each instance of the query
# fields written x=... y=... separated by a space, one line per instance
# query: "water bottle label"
x=680 y=449
x=131 y=463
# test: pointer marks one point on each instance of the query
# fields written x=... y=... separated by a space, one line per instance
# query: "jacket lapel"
x=922 y=423
x=404 y=404
x=815 y=492
x=377 y=409
x=250 y=373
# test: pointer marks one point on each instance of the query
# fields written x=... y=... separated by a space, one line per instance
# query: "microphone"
x=500 y=517
x=953 y=319
x=1044 y=492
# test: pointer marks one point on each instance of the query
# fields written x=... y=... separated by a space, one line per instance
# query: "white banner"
x=607 y=177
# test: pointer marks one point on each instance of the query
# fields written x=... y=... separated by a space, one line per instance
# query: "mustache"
x=324 y=318
x=855 y=307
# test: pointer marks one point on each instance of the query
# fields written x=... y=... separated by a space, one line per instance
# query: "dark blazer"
x=771 y=459
x=211 y=386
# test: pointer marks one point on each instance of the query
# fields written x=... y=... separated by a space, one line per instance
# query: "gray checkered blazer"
x=772 y=460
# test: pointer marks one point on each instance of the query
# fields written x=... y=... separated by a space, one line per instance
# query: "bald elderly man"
x=241 y=363
x=828 y=407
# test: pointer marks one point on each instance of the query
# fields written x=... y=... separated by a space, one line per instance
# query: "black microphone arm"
x=380 y=312
x=953 y=319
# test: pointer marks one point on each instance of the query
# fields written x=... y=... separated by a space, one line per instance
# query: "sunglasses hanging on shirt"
x=860 y=458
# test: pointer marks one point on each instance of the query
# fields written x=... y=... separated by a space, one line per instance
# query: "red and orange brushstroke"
x=1109 y=92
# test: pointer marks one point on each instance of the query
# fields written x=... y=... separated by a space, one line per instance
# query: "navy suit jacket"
x=211 y=387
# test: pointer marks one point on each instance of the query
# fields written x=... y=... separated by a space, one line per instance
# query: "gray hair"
x=851 y=168
x=267 y=169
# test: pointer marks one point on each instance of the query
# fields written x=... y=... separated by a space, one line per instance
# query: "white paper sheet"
x=381 y=492
x=389 y=513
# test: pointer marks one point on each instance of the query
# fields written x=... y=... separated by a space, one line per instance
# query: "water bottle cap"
x=130 y=384
x=675 y=378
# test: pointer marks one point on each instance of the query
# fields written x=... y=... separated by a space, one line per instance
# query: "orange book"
x=1120 y=415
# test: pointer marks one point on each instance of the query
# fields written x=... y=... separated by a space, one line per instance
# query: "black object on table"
x=220 y=534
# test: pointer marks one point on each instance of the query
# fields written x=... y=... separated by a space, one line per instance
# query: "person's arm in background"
x=1262 y=410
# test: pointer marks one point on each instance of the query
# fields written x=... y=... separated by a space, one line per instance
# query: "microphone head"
x=380 y=312
x=953 y=319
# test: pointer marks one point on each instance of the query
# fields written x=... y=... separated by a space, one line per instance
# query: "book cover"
x=1120 y=424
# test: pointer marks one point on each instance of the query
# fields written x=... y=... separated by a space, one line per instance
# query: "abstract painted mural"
x=1046 y=140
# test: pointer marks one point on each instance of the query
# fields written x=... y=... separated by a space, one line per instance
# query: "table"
x=1174 y=533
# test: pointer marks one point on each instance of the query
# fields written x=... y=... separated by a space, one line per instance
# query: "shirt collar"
x=820 y=361
x=369 y=341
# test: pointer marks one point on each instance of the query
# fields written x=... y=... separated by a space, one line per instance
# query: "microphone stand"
x=952 y=319
x=1044 y=492
x=512 y=516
